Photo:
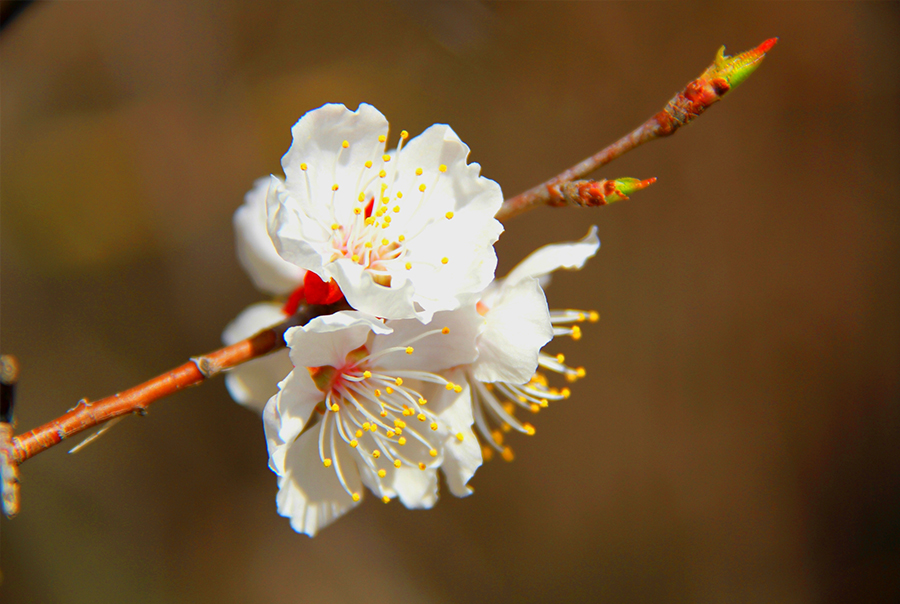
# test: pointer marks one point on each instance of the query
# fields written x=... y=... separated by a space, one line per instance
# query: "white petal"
x=549 y=258
x=363 y=294
x=256 y=252
x=327 y=339
x=308 y=492
x=517 y=327
x=417 y=489
x=461 y=457
x=253 y=383
x=434 y=352
x=286 y=413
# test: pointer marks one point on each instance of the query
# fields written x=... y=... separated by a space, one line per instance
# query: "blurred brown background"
x=736 y=439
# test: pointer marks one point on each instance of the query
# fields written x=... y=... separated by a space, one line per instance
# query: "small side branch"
x=714 y=83
x=86 y=415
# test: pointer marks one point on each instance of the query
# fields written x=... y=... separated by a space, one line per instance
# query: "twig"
x=719 y=78
x=86 y=415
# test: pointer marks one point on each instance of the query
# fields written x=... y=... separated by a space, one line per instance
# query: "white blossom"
x=368 y=404
x=404 y=234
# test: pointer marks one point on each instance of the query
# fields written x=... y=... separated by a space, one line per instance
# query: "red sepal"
x=319 y=292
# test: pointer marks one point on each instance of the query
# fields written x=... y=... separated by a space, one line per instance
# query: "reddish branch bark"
x=86 y=414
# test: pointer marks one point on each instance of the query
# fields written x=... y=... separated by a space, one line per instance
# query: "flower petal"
x=434 y=352
x=552 y=257
x=327 y=339
x=256 y=252
x=462 y=457
x=516 y=328
x=309 y=493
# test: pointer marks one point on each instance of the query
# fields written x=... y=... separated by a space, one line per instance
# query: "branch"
x=725 y=74
x=86 y=415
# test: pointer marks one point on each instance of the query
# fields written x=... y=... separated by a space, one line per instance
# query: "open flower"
x=367 y=405
x=403 y=234
x=517 y=325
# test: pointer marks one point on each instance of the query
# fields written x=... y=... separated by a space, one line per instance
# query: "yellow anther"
x=397 y=463
x=408 y=265
x=560 y=358
x=389 y=390
x=401 y=441
x=580 y=316
x=303 y=166
x=376 y=453
x=382 y=173
x=404 y=134
x=368 y=243
x=445 y=260
x=576 y=332
x=457 y=389
x=449 y=215
x=401 y=238
x=507 y=454
x=418 y=171
x=377 y=392
x=422 y=187
x=385 y=499
x=357 y=211
x=354 y=443
x=367 y=374
x=422 y=401
x=396 y=209
x=385 y=158
x=545 y=402
x=385 y=241
x=359 y=433
x=398 y=381
x=355 y=257
x=373 y=428
x=387 y=220
x=580 y=372
x=566 y=393
x=385 y=200
x=442 y=168
x=368 y=164
x=433 y=426
x=366 y=426
x=381 y=138
x=384 y=413
x=505 y=427
x=370 y=221
x=534 y=407
x=449 y=386
x=422 y=466
x=335 y=226
x=593 y=316
x=334 y=187
x=382 y=473
x=327 y=462
x=487 y=453
x=497 y=436
x=460 y=437
x=335 y=408
x=433 y=452
x=399 y=423
x=421 y=417
x=345 y=144
x=409 y=350
x=399 y=194
x=522 y=399
x=390 y=433
x=571 y=377
x=383 y=188
x=445 y=330
x=529 y=429
x=355 y=497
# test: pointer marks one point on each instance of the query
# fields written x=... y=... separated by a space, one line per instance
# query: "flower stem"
x=86 y=415
x=715 y=82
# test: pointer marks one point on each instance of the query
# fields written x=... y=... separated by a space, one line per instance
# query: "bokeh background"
x=737 y=438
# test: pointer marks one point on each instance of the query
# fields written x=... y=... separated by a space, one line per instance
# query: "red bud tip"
x=766 y=46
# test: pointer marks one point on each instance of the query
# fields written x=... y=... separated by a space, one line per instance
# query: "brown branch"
x=714 y=83
x=86 y=415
